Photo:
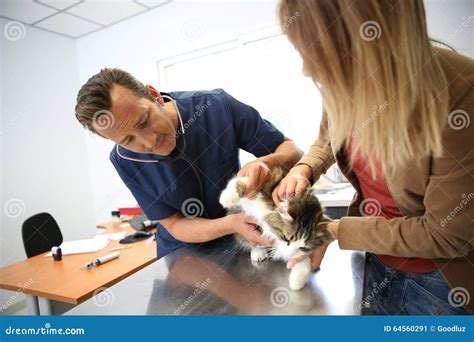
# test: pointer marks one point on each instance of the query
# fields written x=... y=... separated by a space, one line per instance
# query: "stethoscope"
x=181 y=154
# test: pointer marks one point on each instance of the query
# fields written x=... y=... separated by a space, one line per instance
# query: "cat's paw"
x=300 y=274
x=233 y=192
x=229 y=197
x=297 y=282
x=258 y=254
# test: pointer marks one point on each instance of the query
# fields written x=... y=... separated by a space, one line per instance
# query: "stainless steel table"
x=218 y=279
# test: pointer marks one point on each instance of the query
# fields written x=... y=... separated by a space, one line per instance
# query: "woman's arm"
x=308 y=170
x=446 y=228
x=320 y=156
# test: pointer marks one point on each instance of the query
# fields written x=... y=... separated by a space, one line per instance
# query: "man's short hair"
x=94 y=98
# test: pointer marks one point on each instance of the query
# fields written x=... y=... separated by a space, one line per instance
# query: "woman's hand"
x=258 y=173
x=317 y=257
x=246 y=227
x=294 y=184
x=333 y=228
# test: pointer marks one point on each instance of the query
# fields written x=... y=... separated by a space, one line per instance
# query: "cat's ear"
x=324 y=218
x=320 y=217
x=321 y=234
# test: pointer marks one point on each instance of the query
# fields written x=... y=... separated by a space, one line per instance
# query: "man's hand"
x=246 y=227
x=258 y=173
x=294 y=184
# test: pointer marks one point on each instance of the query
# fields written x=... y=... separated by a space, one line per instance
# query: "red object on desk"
x=130 y=211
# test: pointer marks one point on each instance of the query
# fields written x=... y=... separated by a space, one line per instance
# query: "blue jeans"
x=391 y=292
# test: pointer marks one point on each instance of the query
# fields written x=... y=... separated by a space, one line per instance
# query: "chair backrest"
x=40 y=233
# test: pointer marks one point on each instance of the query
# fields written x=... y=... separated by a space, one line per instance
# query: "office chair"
x=40 y=233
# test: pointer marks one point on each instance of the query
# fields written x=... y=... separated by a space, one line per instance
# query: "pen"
x=118 y=248
x=102 y=260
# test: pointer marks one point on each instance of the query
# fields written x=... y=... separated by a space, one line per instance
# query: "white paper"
x=83 y=246
x=111 y=236
x=95 y=244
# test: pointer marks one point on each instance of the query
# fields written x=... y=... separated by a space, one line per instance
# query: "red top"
x=379 y=202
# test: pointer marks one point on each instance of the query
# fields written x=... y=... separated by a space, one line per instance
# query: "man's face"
x=139 y=124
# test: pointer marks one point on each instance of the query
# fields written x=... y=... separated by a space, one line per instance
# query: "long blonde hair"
x=382 y=85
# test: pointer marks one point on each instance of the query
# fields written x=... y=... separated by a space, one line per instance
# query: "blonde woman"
x=396 y=119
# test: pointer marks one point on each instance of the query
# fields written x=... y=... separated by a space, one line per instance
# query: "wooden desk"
x=46 y=280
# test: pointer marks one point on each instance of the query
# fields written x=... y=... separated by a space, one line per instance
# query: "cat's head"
x=300 y=226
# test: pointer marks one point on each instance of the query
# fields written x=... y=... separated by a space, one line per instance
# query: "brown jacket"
x=434 y=195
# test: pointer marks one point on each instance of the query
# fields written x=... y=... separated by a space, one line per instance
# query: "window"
x=263 y=71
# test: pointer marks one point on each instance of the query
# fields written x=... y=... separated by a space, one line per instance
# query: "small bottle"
x=57 y=253
x=115 y=215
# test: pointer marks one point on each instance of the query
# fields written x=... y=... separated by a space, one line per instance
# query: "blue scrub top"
x=216 y=126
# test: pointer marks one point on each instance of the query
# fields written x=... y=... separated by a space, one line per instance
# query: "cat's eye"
x=304 y=249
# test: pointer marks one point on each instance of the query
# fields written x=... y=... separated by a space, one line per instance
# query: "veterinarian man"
x=176 y=152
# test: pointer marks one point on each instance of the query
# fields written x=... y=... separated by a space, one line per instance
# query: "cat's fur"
x=298 y=226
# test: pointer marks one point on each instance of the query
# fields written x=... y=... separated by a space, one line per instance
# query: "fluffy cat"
x=298 y=226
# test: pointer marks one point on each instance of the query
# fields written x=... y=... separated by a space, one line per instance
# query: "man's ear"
x=155 y=93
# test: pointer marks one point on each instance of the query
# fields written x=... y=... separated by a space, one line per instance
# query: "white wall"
x=44 y=165
x=452 y=22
